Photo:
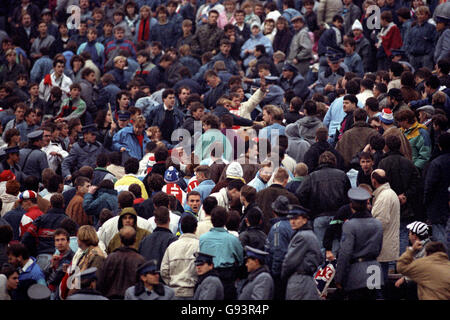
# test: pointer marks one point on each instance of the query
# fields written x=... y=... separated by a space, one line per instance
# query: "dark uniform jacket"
x=81 y=154
x=33 y=161
x=208 y=287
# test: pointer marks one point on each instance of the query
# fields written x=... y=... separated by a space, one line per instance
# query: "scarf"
x=144 y=31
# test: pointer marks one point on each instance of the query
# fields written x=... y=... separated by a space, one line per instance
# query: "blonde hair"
x=424 y=10
x=301 y=169
x=87 y=235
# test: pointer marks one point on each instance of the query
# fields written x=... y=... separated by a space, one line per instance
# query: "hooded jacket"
x=297 y=146
x=308 y=126
x=140 y=233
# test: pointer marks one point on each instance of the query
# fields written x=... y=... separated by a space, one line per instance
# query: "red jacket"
x=28 y=218
x=391 y=40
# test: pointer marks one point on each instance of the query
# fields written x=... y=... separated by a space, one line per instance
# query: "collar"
x=27 y=265
x=165 y=108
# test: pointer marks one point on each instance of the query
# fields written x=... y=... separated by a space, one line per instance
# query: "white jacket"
x=63 y=83
x=8 y=203
x=222 y=198
x=109 y=229
x=177 y=266
x=386 y=208
x=248 y=106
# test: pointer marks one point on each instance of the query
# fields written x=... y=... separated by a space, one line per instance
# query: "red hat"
x=7 y=175
x=28 y=194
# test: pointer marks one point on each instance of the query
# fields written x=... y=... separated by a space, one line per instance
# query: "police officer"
x=208 y=286
x=10 y=161
x=149 y=286
x=88 y=285
x=32 y=159
x=357 y=272
x=259 y=284
x=302 y=258
x=83 y=153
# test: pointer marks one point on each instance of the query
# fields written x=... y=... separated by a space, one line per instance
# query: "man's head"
x=266 y=171
x=18 y=254
x=212 y=79
x=127 y=235
x=366 y=162
x=62 y=240
x=417 y=231
x=82 y=184
x=203 y=263
x=197 y=110
x=378 y=178
x=234 y=190
x=119 y=33
x=298 y=22
x=28 y=199
x=162 y=216
x=301 y=170
x=219 y=217
x=202 y=173
x=148 y=273
x=248 y=195
x=298 y=216
x=168 y=97
x=405 y=118
x=281 y=177
x=350 y=103
x=194 y=201
x=213 y=15
x=188 y=224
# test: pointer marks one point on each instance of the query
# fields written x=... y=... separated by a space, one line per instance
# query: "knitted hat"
x=171 y=175
x=28 y=194
x=7 y=175
x=357 y=25
x=418 y=228
x=234 y=171
x=386 y=116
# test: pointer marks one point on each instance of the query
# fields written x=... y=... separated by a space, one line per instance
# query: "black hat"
x=35 y=135
x=289 y=67
x=89 y=128
x=150 y=266
x=201 y=258
x=90 y=273
x=271 y=79
x=45 y=11
x=123 y=115
x=358 y=194
x=333 y=55
x=38 y=291
x=251 y=252
x=297 y=210
x=15 y=149
x=281 y=205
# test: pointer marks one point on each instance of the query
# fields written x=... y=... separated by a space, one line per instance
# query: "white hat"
x=418 y=228
x=357 y=25
x=235 y=171
x=255 y=24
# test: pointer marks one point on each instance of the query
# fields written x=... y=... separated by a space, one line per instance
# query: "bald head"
x=378 y=177
x=127 y=236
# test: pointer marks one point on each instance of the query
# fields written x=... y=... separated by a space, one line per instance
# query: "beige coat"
x=204 y=226
x=248 y=106
x=431 y=273
x=386 y=208
x=405 y=147
x=177 y=266
x=327 y=10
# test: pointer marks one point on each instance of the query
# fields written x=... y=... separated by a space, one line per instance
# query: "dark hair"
x=444 y=141
x=407 y=79
x=61 y=231
x=135 y=189
x=327 y=158
x=433 y=82
x=167 y=92
x=377 y=142
x=381 y=87
x=209 y=204
x=57 y=201
x=8 y=270
x=254 y=217
x=155 y=182
x=219 y=217
x=366 y=155
x=235 y=184
x=233 y=220
x=102 y=160
x=161 y=154
x=131 y=166
x=162 y=215
x=86 y=72
x=106 y=184
x=227 y=120
x=128 y=239
x=54 y=182
x=404 y=13
x=352 y=87
x=161 y=199
x=310 y=107
x=444 y=65
x=396 y=68
x=372 y=104
x=360 y=115
x=69 y=225
x=352 y=98
x=338 y=17
x=393 y=143
x=125 y=199
x=407 y=115
x=18 y=250
x=249 y=193
x=367 y=83
x=188 y=224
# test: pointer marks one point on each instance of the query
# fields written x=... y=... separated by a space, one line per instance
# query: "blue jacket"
x=164 y=33
x=226 y=248
x=230 y=64
x=205 y=188
x=103 y=198
x=354 y=64
x=107 y=94
x=257 y=183
x=328 y=39
x=421 y=39
x=252 y=43
x=277 y=243
x=266 y=132
x=191 y=63
x=274 y=96
x=41 y=67
x=14 y=217
x=335 y=115
x=442 y=49
x=156 y=117
x=126 y=138
x=298 y=84
x=96 y=50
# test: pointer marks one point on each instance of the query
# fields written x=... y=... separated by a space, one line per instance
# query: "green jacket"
x=419 y=138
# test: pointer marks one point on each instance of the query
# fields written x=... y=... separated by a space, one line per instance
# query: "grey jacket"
x=81 y=154
x=86 y=294
x=258 y=286
x=308 y=126
x=169 y=294
x=209 y=288
x=32 y=162
x=300 y=263
x=301 y=46
x=362 y=237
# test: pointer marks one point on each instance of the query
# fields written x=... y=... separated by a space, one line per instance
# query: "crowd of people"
x=224 y=150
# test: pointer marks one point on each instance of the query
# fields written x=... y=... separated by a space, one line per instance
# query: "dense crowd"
x=224 y=150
